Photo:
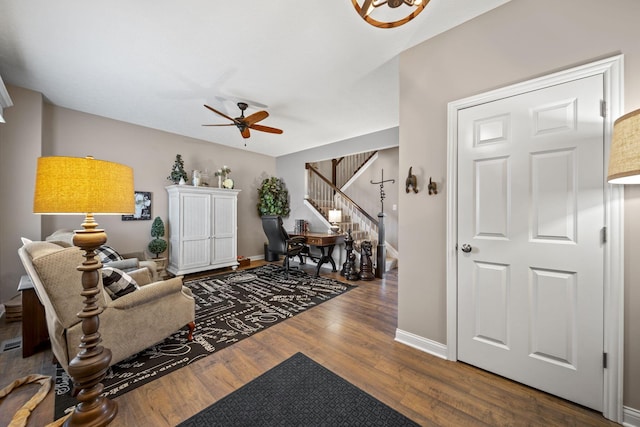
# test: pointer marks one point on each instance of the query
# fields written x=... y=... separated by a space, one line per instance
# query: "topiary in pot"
x=273 y=197
x=157 y=245
x=177 y=172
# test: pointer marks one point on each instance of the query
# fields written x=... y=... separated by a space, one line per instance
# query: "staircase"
x=325 y=194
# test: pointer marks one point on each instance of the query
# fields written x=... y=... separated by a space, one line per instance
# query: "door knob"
x=466 y=248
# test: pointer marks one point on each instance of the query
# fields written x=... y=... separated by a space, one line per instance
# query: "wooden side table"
x=35 y=336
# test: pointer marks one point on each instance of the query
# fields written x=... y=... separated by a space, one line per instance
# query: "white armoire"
x=203 y=228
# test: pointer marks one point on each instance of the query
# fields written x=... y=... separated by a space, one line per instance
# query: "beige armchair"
x=132 y=261
x=128 y=324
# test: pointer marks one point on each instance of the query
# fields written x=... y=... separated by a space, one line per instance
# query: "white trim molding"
x=631 y=417
x=612 y=71
x=5 y=99
x=423 y=344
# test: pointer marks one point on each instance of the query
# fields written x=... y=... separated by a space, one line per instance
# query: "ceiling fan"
x=245 y=123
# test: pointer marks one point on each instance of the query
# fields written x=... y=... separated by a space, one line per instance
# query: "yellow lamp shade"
x=624 y=160
x=75 y=185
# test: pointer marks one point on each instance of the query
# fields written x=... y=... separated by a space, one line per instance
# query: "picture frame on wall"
x=142 y=207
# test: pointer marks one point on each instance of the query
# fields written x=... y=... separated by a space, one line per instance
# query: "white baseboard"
x=630 y=417
x=428 y=346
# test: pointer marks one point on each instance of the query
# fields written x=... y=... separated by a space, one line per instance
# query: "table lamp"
x=335 y=217
x=86 y=186
x=624 y=160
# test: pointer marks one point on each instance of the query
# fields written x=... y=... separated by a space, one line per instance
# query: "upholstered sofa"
x=128 y=261
x=128 y=324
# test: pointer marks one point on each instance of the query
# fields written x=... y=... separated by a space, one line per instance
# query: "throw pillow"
x=107 y=254
x=125 y=264
x=117 y=283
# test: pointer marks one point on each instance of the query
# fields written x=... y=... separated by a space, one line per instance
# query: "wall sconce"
x=624 y=160
x=397 y=12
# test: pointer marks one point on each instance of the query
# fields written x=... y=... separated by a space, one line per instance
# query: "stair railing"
x=346 y=167
x=324 y=195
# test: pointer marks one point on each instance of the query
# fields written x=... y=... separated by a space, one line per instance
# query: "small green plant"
x=223 y=172
x=273 y=197
x=177 y=172
x=157 y=245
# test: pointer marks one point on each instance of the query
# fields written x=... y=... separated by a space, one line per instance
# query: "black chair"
x=279 y=241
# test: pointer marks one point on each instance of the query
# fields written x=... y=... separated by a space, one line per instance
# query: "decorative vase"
x=182 y=182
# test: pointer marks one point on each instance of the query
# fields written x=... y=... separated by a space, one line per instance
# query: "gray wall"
x=518 y=41
x=35 y=129
x=20 y=145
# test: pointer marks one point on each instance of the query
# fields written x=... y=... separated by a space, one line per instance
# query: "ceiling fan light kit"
x=245 y=123
x=397 y=12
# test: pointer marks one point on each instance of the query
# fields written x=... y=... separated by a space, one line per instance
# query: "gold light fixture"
x=624 y=160
x=397 y=12
x=70 y=185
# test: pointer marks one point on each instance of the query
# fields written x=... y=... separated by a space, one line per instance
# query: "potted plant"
x=273 y=199
x=178 y=175
x=157 y=245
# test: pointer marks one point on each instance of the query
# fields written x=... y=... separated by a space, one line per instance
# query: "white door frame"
x=612 y=70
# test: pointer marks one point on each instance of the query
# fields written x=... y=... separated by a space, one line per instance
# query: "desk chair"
x=279 y=241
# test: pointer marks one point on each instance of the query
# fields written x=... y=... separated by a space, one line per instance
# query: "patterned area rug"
x=229 y=308
x=298 y=392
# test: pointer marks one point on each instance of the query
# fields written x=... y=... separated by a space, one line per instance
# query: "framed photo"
x=142 y=207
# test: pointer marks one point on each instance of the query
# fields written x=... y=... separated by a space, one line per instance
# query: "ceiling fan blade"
x=226 y=124
x=266 y=129
x=255 y=117
x=245 y=132
x=222 y=114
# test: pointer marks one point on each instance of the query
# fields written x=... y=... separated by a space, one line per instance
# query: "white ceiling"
x=321 y=72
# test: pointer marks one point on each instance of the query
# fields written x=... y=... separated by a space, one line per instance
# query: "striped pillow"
x=117 y=283
x=108 y=254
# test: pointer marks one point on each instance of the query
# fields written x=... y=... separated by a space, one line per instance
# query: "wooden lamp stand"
x=90 y=365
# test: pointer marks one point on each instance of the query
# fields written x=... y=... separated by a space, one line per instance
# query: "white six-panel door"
x=531 y=211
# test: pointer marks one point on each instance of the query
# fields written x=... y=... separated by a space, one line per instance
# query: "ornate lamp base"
x=90 y=365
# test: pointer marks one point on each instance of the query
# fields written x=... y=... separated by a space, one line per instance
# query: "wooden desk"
x=322 y=241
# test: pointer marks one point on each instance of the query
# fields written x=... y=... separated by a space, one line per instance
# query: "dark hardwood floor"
x=352 y=335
